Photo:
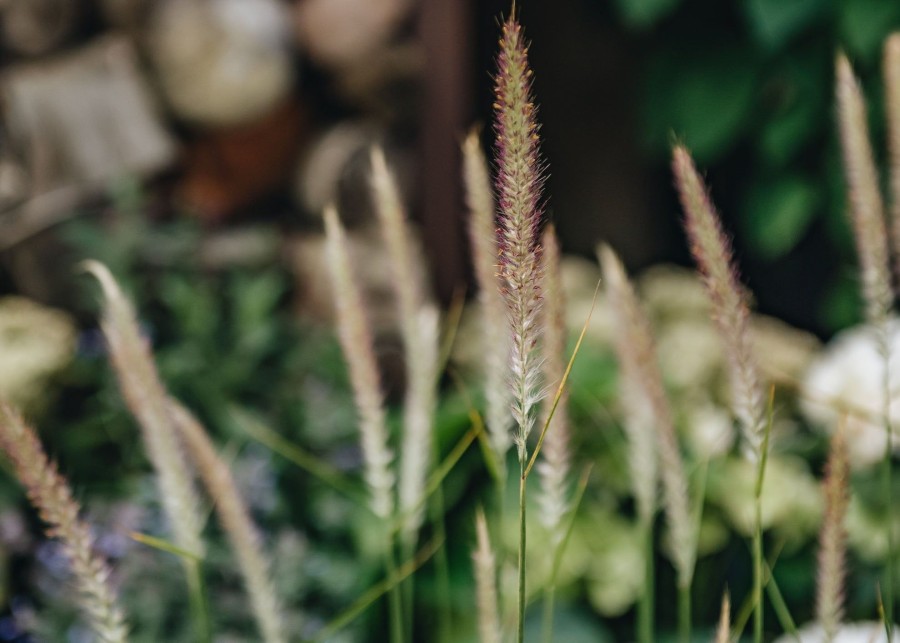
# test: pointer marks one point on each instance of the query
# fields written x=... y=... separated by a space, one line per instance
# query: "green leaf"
x=778 y=214
x=864 y=24
x=704 y=100
x=774 y=22
x=642 y=14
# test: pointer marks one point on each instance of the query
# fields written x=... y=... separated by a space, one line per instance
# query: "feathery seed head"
x=419 y=325
x=651 y=431
x=50 y=494
x=892 y=109
x=554 y=467
x=863 y=194
x=519 y=181
x=146 y=397
x=833 y=539
x=496 y=341
x=236 y=521
x=356 y=341
x=486 y=583
x=712 y=252
x=723 y=632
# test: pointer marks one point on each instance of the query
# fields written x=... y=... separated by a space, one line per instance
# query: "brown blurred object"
x=35 y=27
x=75 y=123
x=221 y=62
x=308 y=261
x=127 y=15
x=228 y=169
x=342 y=34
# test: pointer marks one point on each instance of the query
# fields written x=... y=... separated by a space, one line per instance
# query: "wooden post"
x=445 y=34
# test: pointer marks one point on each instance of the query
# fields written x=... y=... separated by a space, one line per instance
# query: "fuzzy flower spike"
x=50 y=494
x=356 y=342
x=713 y=254
x=519 y=183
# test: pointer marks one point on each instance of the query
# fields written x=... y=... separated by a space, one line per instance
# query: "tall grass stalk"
x=867 y=216
x=833 y=540
x=555 y=465
x=486 y=584
x=419 y=330
x=235 y=517
x=651 y=430
x=724 y=629
x=356 y=341
x=49 y=493
x=712 y=252
x=519 y=181
x=146 y=398
x=485 y=259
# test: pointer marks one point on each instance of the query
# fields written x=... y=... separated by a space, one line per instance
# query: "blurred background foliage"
x=746 y=84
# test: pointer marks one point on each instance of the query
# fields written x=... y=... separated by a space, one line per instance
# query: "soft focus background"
x=192 y=144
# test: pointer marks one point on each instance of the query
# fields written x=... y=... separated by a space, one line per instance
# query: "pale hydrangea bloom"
x=868 y=632
x=36 y=342
x=791 y=497
x=709 y=429
x=845 y=381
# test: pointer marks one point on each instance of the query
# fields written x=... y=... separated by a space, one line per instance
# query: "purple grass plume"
x=712 y=252
x=833 y=540
x=519 y=180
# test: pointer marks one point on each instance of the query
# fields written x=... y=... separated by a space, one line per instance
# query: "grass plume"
x=357 y=344
x=651 y=428
x=50 y=494
x=147 y=400
x=356 y=341
x=870 y=230
x=555 y=466
x=485 y=257
x=891 y=67
x=419 y=325
x=833 y=540
x=486 y=583
x=236 y=521
x=723 y=631
x=712 y=252
x=519 y=181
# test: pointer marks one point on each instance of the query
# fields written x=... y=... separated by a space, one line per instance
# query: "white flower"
x=709 y=429
x=868 y=632
x=36 y=342
x=845 y=381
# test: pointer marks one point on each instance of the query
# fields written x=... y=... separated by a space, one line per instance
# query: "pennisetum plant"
x=652 y=437
x=419 y=330
x=519 y=181
x=236 y=522
x=50 y=494
x=189 y=441
x=712 y=252
x=833 y=540
x=146 y=399
x=486 y=583
x=356 y=341
x=482 y=226
x=555 y=465
x=870 y=229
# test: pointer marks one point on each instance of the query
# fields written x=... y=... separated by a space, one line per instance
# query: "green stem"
x=646 y=604
x=442 y=566
x=395 y=600
x=549 y=604
x=521 y=611
x=757 y=574
x=197 y=598
x=887 y=489
x=684 y=614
